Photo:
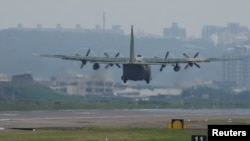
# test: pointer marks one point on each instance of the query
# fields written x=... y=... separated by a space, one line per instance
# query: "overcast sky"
x=148 y=15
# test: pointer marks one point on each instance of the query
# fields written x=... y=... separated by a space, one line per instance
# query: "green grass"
x=101 y=133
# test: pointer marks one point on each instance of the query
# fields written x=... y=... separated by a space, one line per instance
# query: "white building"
x=4 y=78
x=84 y=85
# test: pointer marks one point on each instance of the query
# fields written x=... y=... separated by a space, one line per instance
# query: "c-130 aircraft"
x=136 y=68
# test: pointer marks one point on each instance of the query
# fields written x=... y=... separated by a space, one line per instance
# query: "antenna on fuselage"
x=132 y=52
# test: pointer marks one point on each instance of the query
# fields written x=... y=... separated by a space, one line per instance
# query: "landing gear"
x=147 y=80
x=124 y=79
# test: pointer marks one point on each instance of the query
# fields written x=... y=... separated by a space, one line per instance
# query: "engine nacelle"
x=177 y=67
x=96 y=66
x=84 y=62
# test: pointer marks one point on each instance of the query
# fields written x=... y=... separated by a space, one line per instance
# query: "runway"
x=127 y=118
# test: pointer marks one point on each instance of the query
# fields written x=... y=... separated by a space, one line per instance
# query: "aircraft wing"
x=162 y=61
x=124 y=60
x=92 y=59
x=188 y=61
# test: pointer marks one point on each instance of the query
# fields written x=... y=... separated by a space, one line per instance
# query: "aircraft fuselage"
x=136 y=72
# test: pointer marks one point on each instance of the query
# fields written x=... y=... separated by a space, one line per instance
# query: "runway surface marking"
x=64 y=118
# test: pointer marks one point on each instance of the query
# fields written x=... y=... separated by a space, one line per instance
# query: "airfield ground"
x=195 y=119
x=119 y=125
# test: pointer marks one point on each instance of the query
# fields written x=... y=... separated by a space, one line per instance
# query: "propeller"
x=190 y=64
x=163 y=66
x=87 y=54
x=84 y=61
x=117 y=54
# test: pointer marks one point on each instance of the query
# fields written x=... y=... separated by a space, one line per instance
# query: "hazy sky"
x=148 y=15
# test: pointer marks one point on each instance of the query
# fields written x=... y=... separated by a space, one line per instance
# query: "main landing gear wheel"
x=124 y=79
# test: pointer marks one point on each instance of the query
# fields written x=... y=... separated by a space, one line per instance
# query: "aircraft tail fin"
x=132 y=52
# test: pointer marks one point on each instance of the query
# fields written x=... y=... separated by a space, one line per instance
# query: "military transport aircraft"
x=136 y=67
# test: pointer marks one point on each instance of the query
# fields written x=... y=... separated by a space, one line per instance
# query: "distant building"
x=20 y=26
x=233 y=32
x=237 y=72
x=98 y=27
x=116 y=29
x=174 y=32
x=59 y=27
x=4 y=78
x=208 y=31
x=78 y=27
x=39 y=26
x=22 y=78
x=145 y=92
x=84 y=85
x=236 y=28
